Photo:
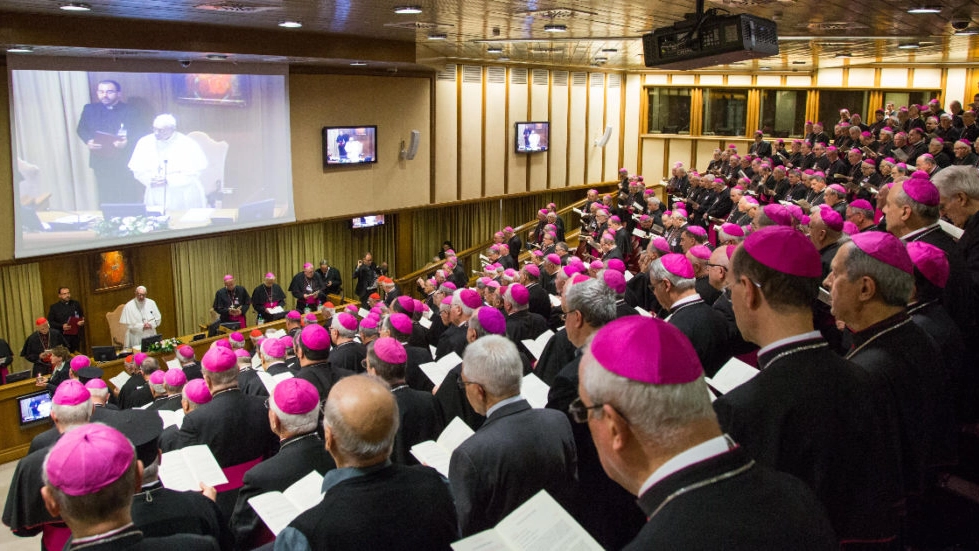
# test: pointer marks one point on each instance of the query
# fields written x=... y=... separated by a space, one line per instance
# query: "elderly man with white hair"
x=169 y=164
x=141 y=316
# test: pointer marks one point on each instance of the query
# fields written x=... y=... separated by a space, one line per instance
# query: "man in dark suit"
x=234 y=426
x=517 y=452
x=332 y=281
x=421 y=418
x=293 y=417
x=369 y=502
x=761 y=147
x=366 y=274
x=643 y=396
x=780 y=416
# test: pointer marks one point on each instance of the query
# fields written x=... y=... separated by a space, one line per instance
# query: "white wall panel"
x=558 y=159
x=576 y=128
x=861 y=77
x=613 y=108
x=955 y=87
x=829 y=77
x=893 y=77
x=471 y=135
x=927 y=78
x=446 y=138
x=633 y=114
x=596 y=125
x=495 y=145
x=539 y=96
x=518 y=112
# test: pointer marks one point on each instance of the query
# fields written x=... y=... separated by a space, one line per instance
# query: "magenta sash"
x=54 y=538
x=270 y=305
x=239 y=319
x=235 y=474
x=312 y=300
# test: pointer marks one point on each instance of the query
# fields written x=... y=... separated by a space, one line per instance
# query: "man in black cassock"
x=306 y=287
x=38 y=345
x=266 y=296
x=67 y=316
x=231 y=302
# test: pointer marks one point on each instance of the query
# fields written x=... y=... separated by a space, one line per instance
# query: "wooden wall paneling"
x=558 y=162
x=577 y=108
x=470 y=136
x=446 y=141
x=595 y=126
x=495 y=131
x=517 y=111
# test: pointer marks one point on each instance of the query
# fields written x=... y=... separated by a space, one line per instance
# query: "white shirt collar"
x=685 y=300
x=787 y=340
x=701 y=452
x=908 y=237
x=502 y=403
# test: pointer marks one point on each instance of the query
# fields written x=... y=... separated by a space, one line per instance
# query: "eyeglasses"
x=462 y=384
x=363 y=364
x=721 y=266
x=579 y=411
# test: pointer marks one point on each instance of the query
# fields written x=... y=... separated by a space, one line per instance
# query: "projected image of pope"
x=169 y=165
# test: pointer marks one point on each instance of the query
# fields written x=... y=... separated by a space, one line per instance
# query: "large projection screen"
x=112 y=158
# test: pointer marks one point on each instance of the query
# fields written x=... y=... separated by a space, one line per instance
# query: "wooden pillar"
x=403 y=250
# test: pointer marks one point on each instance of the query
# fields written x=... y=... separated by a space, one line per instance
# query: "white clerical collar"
x=685 y=300
x=502 y=403
x=701 y=452
x=909 y=237
x=788 y=340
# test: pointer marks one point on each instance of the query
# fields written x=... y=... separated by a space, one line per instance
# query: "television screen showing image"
x=368 y=221
x=34 y=407
x=107 y=158
x=532 y=137
x=349 y=145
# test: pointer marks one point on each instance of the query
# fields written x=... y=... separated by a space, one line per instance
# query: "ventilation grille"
x=614 y=80
x=579 y=79
x=540 y=77
x=496 y=75
x=560 y=78
x=597 y=80
x=518 y=76
x=449 y=73
x=472 y=74
x=233 y=7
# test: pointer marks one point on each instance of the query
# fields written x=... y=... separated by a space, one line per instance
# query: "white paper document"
x=638 y=232
x=120 y=379
x=643 y=312
x=174 y=364
x=540 y=524
x=257 y=361
x=579 y=211
x=278 y=334
x=278 y=509
x=436 y=371
x=270 y=381
x=183 y=470
x=437 y=453
x=363 y=313
x=536 y=346
x=731 y=375
x=171 y=418
x=628 y=276
x=555 y=300
x=425 y=322
x=955 y=231
x=534 y=391
x=275 y=310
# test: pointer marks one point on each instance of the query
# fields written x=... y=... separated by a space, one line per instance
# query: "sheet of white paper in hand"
x=279 y=334
x=278 y=509
x=536 y=346
x=275 y=310
x=267 y=381
x=174 y=418
x=425 y=322
x=579 y=211
x=432 y=349
x=555 y=300
x=174 y=364
x=257 y=361
x=436 y=371
x=638 y=232
x=534 y=391
x=643 y=312
x=955 y=231
x=183 y=470
x=628 y=276
x=120 y=379
x=363 y=313
x=731 y=375
x=438 y=454
x=540 y=524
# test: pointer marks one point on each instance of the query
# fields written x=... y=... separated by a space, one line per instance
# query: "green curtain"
x=20 y=285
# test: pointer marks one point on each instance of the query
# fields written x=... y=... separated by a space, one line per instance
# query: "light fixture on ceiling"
x=969 y=31
x=504 y=58
x=601 y=59
x=494 y=50
x=20 y=50
x=358 y=64
x=918 y=10
x=908 y=46
x=555 y=28
x=437 y=36
x=290 y=24
x=843 y=55
x=76 y=6
x=217 y=57
x=408 y=10
x=610 y=50
x=764 y=68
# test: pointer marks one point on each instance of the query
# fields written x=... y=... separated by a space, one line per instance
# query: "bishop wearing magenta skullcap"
x=826 y=233
x=673 y=282
x=293 y=417
x=521 y=323
x=314 y=357
x=453 y=339
x=233 y=425
x=347 y=353
x=231 y=302
x=870 y=285
x=90 y=476
x=774 y=281
x=268 y=295
x=640 y=379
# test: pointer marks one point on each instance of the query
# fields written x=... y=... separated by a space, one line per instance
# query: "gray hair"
x=957 y=179
x=476 y=326
x=595 y=301
x=385 y=370
x=296 y=423
x=166 y=120
x=352 y=443
x=658 y=272
x=894 y=286
x=457 y=301
x=97 y=393
x=657 y=413
x=369 y=331
x=508 y=298
x=149 y=365
x=923 y=211
x=493 y=362
x=78 y=414
x=159 y=389
x=221 y=378
x=343 y=331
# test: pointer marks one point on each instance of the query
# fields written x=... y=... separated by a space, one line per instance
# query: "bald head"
x=360 y=421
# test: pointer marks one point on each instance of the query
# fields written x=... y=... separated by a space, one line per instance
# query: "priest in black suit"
x=293 y=417
x=332 y=281
x=696 y=486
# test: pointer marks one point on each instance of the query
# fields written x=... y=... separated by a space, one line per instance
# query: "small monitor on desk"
x=144 y=345
x=34 y=407
x=104 y=353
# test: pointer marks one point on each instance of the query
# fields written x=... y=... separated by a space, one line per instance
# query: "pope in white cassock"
x=141 y=317
x=169 y=164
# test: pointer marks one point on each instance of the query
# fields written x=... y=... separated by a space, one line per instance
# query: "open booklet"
x=278 y=509
x=120 y=379
x=175 y=418
x=540 y=524
x=534 y=391
x=955 y=231
x=536 y=346
x=731 y=375
x=183 y=470
x=270 y=381
x=437 y=453
x=436 y=371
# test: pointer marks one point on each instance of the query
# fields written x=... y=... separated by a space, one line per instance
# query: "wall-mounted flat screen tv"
x=368 y=221
x=347 y=145
x=532 y=137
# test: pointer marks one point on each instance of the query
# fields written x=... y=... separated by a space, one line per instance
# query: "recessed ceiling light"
x=290 y=24
x=610 y=50
x=971 y=31
x=844 y=55
x=358 y=64
x=764 y=68
x=555 y=28
x=438 y=36
x=798 y=63
x=20 y=50
x=908 y=46
x=925 y=9
x=408 y=10
x=504 y=58
x=494 y=50
x=76 y=6
x=601 y=59
x=216 y=57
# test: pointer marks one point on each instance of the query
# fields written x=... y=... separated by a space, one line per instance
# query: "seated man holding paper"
x=517 y=452
x=369 y=502
x=293 y=416
x=809 y=412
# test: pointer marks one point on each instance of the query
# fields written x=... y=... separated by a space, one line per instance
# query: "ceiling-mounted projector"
x=713 y=40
